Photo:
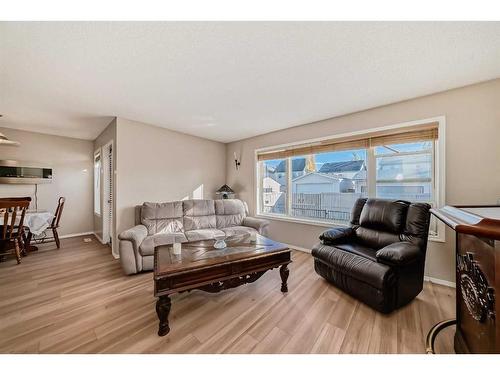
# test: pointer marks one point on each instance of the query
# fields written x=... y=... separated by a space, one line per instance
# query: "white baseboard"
x=76 y=234
x=99 y=238
x=88 y=234
x=298 y=248
x=105 y=243
x=426 y=278
x=116 y=256
x=440 y=281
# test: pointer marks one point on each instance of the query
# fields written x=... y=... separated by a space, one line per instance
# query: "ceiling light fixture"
x=4 y=141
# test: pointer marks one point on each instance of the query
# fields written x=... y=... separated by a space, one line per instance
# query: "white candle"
x=253 y=237
x=177 y=248
x=235 y=156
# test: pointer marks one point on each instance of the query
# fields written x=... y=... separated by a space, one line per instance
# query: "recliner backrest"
x=199 y=214
x=416 y=228
x=380 y=222
x=191 y=214
x=162 y=217
x=229 y=212
x=384 y=215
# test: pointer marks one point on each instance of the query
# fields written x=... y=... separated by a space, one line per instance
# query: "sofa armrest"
x=399 y=254
x=337 y=235
x=260 y=225
x=135 y=235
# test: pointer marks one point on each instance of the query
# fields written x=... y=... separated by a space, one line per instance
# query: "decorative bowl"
x=220 y=244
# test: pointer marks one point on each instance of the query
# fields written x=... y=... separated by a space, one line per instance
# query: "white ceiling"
x=228 y=80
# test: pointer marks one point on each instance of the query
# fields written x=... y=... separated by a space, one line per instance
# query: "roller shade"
x=427 y=132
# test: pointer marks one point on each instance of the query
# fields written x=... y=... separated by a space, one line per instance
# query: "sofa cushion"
x=199 y=214
x=204 y=234
x=162 y=217
x=147 y=246
x=365 y=252
x=238 y=230
x=384 y=215
x=229 y=212
x=374 y=238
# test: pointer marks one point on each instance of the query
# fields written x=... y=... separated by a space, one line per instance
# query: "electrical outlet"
x=87 y=239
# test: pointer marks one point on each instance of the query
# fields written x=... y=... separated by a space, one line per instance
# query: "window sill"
x=326 y=224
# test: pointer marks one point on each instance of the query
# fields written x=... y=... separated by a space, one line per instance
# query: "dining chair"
x=11 y=230
x=55 y=221
x=24 y=230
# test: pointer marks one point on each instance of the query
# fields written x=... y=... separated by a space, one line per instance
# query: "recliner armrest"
x=337 y=235
x=399 y=254
x=260 y=225
x=135 y=235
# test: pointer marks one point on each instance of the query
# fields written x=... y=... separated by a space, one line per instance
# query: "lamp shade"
x=225 y=191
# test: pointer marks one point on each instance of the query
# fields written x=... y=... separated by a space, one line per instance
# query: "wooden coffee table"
x=201 y=266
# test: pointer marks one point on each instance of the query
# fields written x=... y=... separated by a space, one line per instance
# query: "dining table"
x=36 y=222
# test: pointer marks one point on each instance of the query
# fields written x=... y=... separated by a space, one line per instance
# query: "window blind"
x=426 y=132
x=409 y=137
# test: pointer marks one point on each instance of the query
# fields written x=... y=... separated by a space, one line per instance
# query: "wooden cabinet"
x=477 y=276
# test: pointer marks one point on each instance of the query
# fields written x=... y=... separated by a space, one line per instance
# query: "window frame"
x=438 y=171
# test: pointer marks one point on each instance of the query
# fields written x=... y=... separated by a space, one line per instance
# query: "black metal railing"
x=323 y=214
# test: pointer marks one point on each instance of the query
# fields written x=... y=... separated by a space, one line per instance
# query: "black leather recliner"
x=380 y=258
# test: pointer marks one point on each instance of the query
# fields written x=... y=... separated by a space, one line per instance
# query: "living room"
x=209 y=187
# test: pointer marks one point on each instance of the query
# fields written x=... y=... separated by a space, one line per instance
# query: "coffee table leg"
x=284 y=272
x=163 y=309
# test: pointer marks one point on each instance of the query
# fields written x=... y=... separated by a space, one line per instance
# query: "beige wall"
x=107 y=135
x=159 y=165
x=472 y=157
x=71 y=160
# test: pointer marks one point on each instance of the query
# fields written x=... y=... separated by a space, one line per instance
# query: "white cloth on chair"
x=36 y=221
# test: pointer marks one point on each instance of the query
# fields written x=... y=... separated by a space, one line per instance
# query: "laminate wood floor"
x=77 y=300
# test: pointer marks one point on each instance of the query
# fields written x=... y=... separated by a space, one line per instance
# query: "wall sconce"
x=237 y=163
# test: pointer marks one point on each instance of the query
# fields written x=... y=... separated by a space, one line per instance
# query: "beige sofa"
x=182 y=221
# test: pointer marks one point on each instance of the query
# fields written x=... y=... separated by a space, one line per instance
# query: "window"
x=273 y=184
x=97 y=183
x=320 y=182
x=405 y=171
x=326 y=185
